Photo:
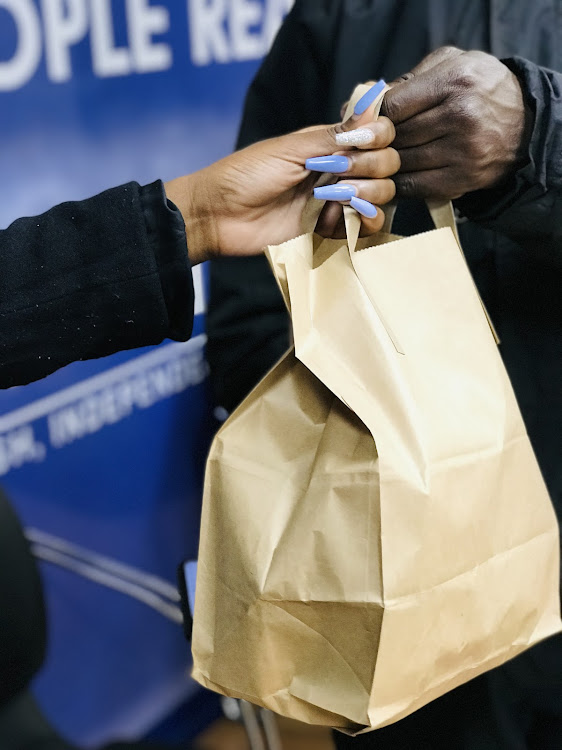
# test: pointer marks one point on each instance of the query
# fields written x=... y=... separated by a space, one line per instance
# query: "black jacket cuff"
x=531 y=181
x=166 y=236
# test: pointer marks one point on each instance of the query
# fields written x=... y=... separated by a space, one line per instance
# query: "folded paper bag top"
x=375 y=527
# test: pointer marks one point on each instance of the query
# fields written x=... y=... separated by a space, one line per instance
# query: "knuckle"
x=478 y=59
x=389 y=192
x=466 y=75
x=405 y=77
x=379 y=192
x=406 y=185
x=461 y=79
x=388 y=131
x=448 y=50
x=381 y=165
x=438 y=56
x=389 y=162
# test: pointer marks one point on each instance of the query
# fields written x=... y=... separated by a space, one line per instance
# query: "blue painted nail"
x=333 y=164
x=369 y=97
x=338 y=192
x=363 y=207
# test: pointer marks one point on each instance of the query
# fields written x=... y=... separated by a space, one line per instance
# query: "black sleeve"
x=291 y=87
x=529 y=208
x=247 y=322
x=90 y=278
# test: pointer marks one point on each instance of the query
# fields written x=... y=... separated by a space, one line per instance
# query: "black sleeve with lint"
x=90 y=278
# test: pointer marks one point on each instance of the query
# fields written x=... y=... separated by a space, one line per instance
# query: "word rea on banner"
x=226 y=31
x=218 y=31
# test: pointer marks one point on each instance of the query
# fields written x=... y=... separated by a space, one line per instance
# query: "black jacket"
x=513 y=241
x=91 y=278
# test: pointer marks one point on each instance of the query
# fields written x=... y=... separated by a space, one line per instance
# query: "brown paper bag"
x=375 y=530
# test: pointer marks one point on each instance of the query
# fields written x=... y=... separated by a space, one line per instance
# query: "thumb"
x=319 y=140
x=416 y=91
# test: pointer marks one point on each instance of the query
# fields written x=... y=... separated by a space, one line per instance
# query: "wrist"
x=190 y=195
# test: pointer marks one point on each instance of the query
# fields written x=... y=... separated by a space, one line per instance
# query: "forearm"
x=90 y=278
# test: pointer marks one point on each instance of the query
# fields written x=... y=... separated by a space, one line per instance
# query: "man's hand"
x=461 y=124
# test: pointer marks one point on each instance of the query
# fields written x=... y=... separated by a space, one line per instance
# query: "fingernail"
x=334 y=164
x=339 y=192
x=363 y=207
x=369 y=97
x=359 y=137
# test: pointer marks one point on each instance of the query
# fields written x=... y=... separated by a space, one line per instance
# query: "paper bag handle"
x=441 y=212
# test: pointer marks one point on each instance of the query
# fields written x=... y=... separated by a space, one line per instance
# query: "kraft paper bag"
x=375 y=529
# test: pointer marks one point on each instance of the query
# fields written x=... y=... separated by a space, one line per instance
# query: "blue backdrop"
x=109 y=454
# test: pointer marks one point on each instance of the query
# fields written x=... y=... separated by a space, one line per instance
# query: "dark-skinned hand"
x=461 y=124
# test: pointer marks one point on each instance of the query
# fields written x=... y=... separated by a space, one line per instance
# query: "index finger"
x=430 y=61
x=376 y=134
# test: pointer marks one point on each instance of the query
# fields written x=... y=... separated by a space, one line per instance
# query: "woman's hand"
x=256 y=196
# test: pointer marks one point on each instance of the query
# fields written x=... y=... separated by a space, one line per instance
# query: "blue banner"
x=109 y=454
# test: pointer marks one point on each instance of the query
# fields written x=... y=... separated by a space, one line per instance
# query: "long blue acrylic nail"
x=339 y=192
x=363 y=207
x=333 y=164
x=369 y=97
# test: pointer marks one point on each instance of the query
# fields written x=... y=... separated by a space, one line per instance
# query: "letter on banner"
x=16 y=72
x=245 y=44
x=107 y=60
x=209 y=42
x=66 y=23
x=145 y=21
x=275 y=12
